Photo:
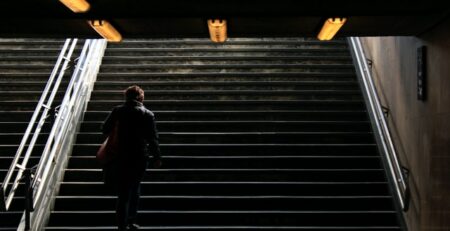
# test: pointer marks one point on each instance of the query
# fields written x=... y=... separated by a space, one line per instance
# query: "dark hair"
x=134 y=93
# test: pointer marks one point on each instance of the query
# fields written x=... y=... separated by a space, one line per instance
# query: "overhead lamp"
x=106 y=30
x=217 y=30
x=330 y=28
x=77 y=6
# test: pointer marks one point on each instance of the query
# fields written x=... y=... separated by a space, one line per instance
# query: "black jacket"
x=137 y=134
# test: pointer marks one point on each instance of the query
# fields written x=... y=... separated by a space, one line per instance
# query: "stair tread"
x=236 y=57
x=231 y=227
x=236 y=170
x=202 y=66
x=242 y=182
x=234 y=83
x=240 y=121
x=184 y=74
x=227 y=49
x=226 y=196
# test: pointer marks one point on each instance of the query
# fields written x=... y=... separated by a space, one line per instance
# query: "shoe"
x=133 y=227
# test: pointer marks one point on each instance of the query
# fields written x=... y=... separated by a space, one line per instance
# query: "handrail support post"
x=28 y=198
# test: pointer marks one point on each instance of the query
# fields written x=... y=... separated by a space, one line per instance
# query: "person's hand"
x=157 y=163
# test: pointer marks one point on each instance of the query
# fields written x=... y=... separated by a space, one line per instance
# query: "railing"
x=43 y=107
x=384 y=139
x=59 y=145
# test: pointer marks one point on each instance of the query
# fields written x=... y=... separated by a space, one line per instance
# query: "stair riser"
x=10 y=219
x=225 y=52
x=23 y=68
x=16 y=139
x=205 y=126
x=243 y=115
x=29 y=76
x=228 y=60
x=229 y=228
x=309 y=204
x=243 y=189
x=233 y=219
x=243 y=96
x=233 y=150
x=24 y=105
x=53 y=50
x=19 y=127
x=135 y=78
x=5 y=162
x=149 y=87
x=235 y=105
x=32 y=96
x=251 y=163
x=96 y=175
x=201 y=43
x=25 y=86
x=176 y=138
x=344 y=69
x=10 y=150
x=16 y=116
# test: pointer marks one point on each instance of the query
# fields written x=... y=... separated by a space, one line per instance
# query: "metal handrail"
x=378 y=119
x=42 y=108
x=63 y=117
x=51 y=166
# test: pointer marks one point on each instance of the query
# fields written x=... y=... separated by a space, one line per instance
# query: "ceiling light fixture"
x=106 y=30
x=77 y=6
x=330 y=28
x=217 y=30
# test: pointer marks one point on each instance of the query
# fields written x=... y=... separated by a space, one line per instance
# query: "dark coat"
x=138 y=138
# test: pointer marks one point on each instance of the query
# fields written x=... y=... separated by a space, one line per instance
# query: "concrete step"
x=239 y=67
x=227 y=175
x=230 y=203
x=15 y=138
x=228 y=228
x=237 y=51
x=249 y=126
x=236 y=218
x=231 y=95
x=27 y=95
x=232 y=188
x=249 y=149
x=21 y=105
x=251 y=162
x=179 y=105
x=25 y=75
x=242 y=137
x=149 y=86
x=242 y=115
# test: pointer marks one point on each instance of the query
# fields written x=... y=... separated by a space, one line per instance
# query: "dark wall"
x=421 y=128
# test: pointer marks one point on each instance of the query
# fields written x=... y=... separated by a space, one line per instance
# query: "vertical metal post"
x=28 y=198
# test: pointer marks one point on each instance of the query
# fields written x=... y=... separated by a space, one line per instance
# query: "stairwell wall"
x=421 y=129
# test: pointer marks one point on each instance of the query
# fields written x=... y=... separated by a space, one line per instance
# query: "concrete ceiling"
x=246 y=18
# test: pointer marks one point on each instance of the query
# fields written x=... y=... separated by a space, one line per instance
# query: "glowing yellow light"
x=330 y=28
x=217 y=30
x=77 y=6
x=106 y=30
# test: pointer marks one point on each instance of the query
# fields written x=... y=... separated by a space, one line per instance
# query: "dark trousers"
x=127 y=203
x=128 y=193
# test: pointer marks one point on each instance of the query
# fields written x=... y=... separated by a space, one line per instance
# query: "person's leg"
x=134 y=202
x=135 y=193
x=123 y=201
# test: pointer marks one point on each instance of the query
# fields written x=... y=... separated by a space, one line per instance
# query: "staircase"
x=256 y=134
x=25 y=66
